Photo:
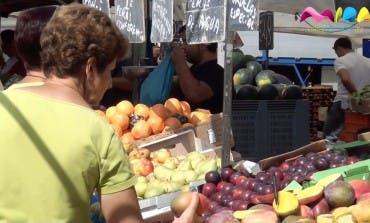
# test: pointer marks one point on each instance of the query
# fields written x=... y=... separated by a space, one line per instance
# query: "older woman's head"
x=83 y=43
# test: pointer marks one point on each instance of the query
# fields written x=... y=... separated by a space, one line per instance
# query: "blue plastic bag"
x=157 y=86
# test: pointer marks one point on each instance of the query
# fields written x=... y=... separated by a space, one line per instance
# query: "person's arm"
x=194 y=90
x=121 y=207
x=346 y=80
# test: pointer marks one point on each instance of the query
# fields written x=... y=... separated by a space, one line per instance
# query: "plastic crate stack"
x=319 y=96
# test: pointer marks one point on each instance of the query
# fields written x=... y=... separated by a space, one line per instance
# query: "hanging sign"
x=243 y=15
x=162 y=21
x=266 y=31
x=130 y=19
x=101 y=5
x=205 y=21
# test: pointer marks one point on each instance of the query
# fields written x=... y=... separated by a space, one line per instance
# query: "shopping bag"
x=156 y=87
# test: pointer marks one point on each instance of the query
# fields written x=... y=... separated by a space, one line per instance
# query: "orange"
x=172 y=123
x=122 y=120
x=159 y=110
x=110 y=112
x=125 y=107
x=117 y=128
x=156 y=124
x=142 y=110
x=174 y=105
x=141 y=129
x=185 y=107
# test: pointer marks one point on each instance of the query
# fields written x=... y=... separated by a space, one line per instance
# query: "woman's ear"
x=90 y=67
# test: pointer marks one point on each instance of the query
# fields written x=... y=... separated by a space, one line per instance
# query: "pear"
x=140 y=188
x=171 y=186
x=206 y=166
x=194 y=155
x=190 y=176
x=179 y=177
x=184 y=165
x=218 y=160
x=195 y=162
x=162 y=173
x=170 y=164
x=153 y=191
x=142 y=179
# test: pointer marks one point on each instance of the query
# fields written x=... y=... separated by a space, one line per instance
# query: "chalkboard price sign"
x=102 y=5
x=162 y=21
x=205 y=21
x=130 y=19
x=243 y=15
x=266 y=31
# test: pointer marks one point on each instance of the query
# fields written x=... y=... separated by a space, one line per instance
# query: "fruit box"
x=157 y=202
x=179 y=143
x=358 y=170
x=205 y=130
x=316 y=147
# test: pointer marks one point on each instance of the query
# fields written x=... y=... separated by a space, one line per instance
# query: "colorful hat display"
x=363 y=15
x=311 y=12
x=348 y=14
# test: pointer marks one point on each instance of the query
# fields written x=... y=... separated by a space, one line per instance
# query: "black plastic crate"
x=266 y=128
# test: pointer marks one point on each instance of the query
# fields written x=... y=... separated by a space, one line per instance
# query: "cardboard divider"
x=316 y=147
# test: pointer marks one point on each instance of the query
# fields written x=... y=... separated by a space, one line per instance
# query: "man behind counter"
x=201 y=84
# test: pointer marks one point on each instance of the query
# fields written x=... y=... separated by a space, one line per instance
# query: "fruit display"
x=133 y=122
x=162 y=173
x=244 y=197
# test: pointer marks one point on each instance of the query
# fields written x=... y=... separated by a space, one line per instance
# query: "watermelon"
x=240 y=60
x=268 y=92
x=264 y=77
x=254 y=67
x=281 y=79
x=292 y=92
x=243 y=76
x=246 y=92
x=281 y=88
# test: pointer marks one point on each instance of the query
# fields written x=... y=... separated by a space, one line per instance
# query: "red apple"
x=142 y=166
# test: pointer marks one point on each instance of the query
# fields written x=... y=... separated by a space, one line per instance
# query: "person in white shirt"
x=353 y=73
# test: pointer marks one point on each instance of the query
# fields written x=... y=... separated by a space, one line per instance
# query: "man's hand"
x=178 y=55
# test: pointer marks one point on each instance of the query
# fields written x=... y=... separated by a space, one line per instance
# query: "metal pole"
x=226 y=142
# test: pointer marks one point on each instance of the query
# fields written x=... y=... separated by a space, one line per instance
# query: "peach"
x=360 y=186
x=363 y=197
x=310 y=194
x=260 y=216
x=305 y=211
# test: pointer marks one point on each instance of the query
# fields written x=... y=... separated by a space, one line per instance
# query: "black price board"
x=162 y=21
x=130 y=19
x=266 y=31
x=101 y=5
x=205 y=21
x=243 y=15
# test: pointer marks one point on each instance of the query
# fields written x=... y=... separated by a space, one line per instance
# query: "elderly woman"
x=56 y=150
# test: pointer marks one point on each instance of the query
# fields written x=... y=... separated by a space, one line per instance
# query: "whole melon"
x=292 y=92
x=264 y=77
x=243 y=76
x=339 y=194
x=246 y=92
x=254 y=67
x=281 y=79
x=268 y=92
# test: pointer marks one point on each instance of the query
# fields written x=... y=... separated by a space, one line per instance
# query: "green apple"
x=153 y=191
x=140 y=188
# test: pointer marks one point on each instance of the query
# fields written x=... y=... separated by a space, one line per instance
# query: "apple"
x=208 y=189
x=161 y=155
x=142 y=166
x=140 y=188
x=226 y=173
x=310 y=194
x=212 y=177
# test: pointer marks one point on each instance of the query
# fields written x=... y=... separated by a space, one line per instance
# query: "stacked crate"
x=320 y=96
x=354 y=123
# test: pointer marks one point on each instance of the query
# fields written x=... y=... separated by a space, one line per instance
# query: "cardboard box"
x=364 y=136
x=179 y=143
x=206 y=129
x=316 y=147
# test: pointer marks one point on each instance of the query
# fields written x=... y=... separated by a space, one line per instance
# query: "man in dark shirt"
x=201 y=84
